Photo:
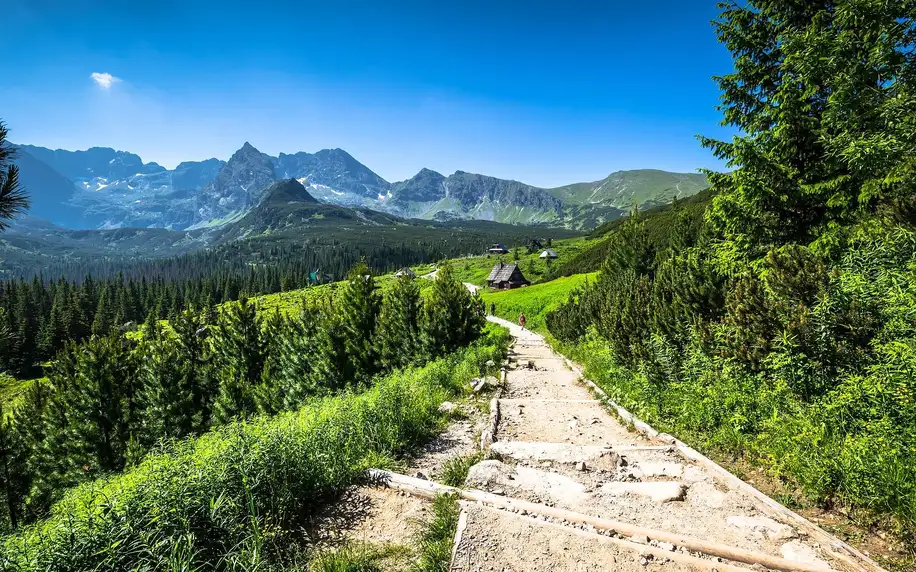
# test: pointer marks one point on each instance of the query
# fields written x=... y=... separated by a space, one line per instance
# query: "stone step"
x=578 y=422
x=570 y=454
x=492 y=539
x=706 y=535
x=703 y=508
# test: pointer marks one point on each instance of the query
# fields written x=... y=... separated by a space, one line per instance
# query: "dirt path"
x=561 y=445
x=555 y=444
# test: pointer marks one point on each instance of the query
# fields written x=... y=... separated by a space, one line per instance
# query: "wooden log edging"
x=459 y=531
x=837 y=548
x=429 y=489
x=656 y=552
x=488 y=436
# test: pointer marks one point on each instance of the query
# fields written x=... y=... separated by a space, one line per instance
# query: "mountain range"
x=101 y=188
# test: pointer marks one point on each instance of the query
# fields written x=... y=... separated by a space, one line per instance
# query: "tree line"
x=111 y=398
x=783 y=326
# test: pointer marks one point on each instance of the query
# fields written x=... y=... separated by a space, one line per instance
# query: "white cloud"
x=105 y=80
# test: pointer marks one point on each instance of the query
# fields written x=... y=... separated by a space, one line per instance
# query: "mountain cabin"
x=405 y=272
x=506 y=276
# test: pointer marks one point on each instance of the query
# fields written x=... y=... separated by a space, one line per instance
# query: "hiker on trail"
x=492 y=308
x=521 y=320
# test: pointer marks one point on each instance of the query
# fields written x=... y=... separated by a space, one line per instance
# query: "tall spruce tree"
x=299 y=361
x=358 y=306
x=822 y=95
x=399 y=339
x=29 y=422
x=96 y=384
x=239 y=352
x=451 y=316
x=13 y=470
x=166 y=385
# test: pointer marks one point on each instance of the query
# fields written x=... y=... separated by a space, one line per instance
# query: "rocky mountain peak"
x=287 y=191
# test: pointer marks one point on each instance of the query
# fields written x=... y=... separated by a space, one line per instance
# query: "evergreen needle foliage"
x=236 y=497
x=112 y=398
x=783 y=327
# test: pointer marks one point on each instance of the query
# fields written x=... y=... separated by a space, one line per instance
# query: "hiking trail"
x=571 y=482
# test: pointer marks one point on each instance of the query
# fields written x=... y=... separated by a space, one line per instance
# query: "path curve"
x=561 y=443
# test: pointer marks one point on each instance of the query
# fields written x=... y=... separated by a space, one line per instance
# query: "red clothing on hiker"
x=521 y=320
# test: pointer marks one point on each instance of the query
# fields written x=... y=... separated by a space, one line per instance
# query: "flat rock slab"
x=659 y=492
x=572 y=422
x=557 y=453
x=797 y=551
x=506 y=542
x=762 y=525
x=497 y=476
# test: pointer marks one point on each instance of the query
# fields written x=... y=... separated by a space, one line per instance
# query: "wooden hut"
x=506 y=276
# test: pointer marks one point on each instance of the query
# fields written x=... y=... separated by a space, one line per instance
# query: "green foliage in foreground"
x=236 y=497
x=456 y=469
x=785 y=328
x=438 y=535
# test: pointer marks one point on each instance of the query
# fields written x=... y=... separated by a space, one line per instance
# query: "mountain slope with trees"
x=111 y=398
x=782 y=328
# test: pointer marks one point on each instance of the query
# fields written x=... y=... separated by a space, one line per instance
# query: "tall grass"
x=438 y=535
x=235 y=498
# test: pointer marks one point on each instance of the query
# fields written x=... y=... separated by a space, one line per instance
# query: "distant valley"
x=101 y=188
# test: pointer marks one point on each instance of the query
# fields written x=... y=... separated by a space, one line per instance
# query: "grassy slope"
x=232 y=497
x=535 y=301
x=640 y=186
x=658 y=222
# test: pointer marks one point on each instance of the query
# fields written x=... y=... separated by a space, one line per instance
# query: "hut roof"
x=501 y=272
x=548 y=254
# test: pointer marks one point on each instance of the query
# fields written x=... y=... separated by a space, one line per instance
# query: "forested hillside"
x=112 y=398
x=781 y=324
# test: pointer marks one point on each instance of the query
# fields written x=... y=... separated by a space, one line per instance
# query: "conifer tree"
x=239 y=356
x=29 y=422
x=399 y=339
x=822 y=95
x=358 y=307
x=96 y=385
x=451 y=316
x=104 y=319
x=13 y=470
x=13 y=198
x=301 y=355
x=166 y=394
x=269 y=393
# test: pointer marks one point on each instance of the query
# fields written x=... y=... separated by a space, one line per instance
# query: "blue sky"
x=546 y=93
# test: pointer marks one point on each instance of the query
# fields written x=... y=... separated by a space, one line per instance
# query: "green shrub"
x=455 y=470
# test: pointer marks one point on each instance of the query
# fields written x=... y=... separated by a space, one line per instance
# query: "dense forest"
x=781 y=324
x=41 y=314
x=111 y=398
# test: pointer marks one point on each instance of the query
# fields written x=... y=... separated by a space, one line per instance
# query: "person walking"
x=521 y=320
